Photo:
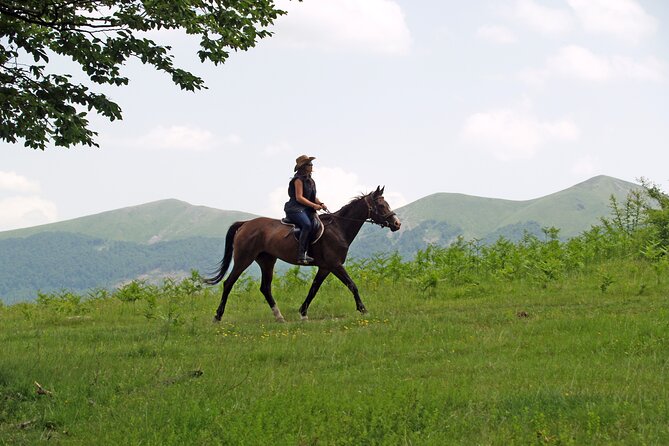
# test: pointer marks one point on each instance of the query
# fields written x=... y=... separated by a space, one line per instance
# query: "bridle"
x=371 y=211
x=384 y=218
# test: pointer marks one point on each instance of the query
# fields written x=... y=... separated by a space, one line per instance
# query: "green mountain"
x=154 y=222
x=171 y=237
x=572 y=210
x=440 y=218
x=54 y=261
x=166 y=238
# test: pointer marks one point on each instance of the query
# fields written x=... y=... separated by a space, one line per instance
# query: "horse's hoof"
x=281 y=320
x=304 y=317
x=216 y=320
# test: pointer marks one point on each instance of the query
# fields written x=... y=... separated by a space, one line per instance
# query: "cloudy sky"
x=510 y=99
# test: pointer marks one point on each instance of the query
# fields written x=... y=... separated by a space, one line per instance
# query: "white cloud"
x=25 y=211
x=651 y=69
x=336 y=187
x=576 y=62
x=510 y=134
x=623 y=19
x=585 y=166
x=542 y=18
x=496 y=34
x=13 y=182
x=580 y=63
x=376 y=26
x=281 y=148
x=183 y=138
x=232 y=139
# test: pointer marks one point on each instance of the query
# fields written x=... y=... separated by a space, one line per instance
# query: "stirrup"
x=304 y=259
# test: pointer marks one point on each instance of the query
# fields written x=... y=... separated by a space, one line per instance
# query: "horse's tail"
x=227 y=257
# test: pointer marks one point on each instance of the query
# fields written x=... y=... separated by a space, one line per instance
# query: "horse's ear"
x=378 y=191
x=382 y=189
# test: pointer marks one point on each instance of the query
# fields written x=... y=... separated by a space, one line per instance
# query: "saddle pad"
x=320 y=229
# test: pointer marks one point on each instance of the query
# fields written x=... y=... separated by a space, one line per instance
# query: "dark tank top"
x=308 y=191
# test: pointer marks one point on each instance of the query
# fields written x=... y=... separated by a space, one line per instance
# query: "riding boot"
x=302 y=256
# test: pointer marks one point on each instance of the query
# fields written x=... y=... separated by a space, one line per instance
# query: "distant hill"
x=572 y=210
x=171 y=237
x=154 y=222
x=440 y=218
x=53 y=261
x=149 y=241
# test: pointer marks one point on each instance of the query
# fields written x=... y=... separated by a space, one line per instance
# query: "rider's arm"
x=299 y=196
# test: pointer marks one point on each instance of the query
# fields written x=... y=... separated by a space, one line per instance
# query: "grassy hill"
x=158 y=221
x=171 y=237
x=53 y=261
x=441 y=218
x=493 y=362
x=150 y=241
x=573 y=210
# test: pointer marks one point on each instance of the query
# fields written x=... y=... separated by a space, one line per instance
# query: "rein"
x=369 y=218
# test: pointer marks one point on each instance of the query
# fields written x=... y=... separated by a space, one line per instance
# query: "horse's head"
x=380 y=212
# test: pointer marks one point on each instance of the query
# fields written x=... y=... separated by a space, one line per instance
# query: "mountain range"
x=171 y=237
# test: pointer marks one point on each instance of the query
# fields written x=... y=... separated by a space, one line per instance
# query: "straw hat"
x=302 y=160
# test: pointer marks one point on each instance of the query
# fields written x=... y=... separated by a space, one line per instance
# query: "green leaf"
x=41 y=109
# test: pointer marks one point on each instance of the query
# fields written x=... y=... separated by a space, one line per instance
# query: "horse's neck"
x=353 y=217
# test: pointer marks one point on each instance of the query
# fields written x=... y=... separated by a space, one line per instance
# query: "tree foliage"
x=657 y=216
x=39 y=106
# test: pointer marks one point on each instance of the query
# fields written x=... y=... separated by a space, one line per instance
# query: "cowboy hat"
x=302 y=160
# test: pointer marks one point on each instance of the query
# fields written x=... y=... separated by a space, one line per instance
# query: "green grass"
x=496 y=363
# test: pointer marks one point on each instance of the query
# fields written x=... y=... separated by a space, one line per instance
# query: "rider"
x=302 y=206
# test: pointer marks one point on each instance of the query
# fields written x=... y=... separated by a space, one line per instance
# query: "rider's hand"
x=325 y=208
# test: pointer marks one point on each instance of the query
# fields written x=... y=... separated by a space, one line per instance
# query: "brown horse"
x=264 y=240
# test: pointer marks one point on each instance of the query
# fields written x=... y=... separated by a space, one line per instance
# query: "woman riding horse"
x=302 y=204
x=263 y=240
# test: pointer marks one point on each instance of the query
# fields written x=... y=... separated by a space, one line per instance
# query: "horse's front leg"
x=321 y=274
x=342 y=275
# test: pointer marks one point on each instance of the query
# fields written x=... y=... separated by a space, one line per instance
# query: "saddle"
x=316 y=234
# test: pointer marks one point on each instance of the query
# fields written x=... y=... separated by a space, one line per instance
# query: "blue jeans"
x=303 y=221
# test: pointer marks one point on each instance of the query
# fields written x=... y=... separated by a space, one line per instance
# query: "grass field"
x=583 y=360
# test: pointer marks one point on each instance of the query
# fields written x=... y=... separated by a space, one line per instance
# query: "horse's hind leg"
x=316 y=284
x=266 y=263
x=237 y=270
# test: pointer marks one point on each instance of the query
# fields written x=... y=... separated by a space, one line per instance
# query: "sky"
x=512 y=99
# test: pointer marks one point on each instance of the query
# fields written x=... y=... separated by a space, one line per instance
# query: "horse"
x=264 y=240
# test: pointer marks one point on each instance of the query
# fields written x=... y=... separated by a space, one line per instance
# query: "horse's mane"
x=354 y=200
x=327 y=218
